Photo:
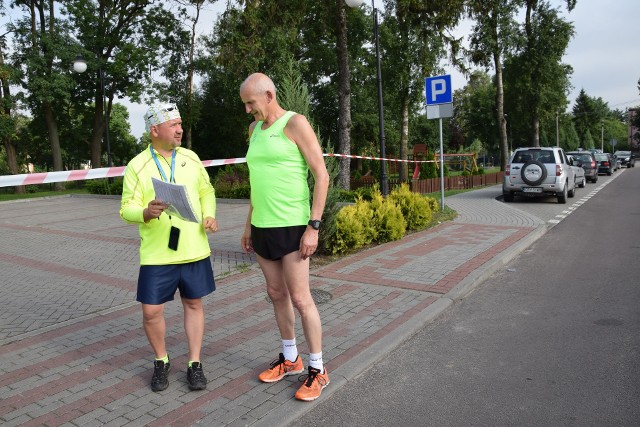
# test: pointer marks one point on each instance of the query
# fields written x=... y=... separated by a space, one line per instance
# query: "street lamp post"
x=80 y=66
x=557 y=128
x=384 y=185
x=602 y=136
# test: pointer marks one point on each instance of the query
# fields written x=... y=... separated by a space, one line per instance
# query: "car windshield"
x=622 y=153
x=584 y=158
x=601 y=157
x=543 y=156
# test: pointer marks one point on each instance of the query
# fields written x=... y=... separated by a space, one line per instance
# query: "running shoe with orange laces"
x=281 y=367
x=313 y=384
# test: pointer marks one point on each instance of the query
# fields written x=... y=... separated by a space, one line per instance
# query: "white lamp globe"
x=354 y=3
x=79 y=64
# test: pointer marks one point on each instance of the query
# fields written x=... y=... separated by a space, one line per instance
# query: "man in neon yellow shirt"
x=282 y=229
x=174 y=253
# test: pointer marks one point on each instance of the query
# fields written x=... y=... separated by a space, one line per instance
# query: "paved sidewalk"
x=73 y=352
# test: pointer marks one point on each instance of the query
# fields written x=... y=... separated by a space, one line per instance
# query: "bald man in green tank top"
x=282 y=229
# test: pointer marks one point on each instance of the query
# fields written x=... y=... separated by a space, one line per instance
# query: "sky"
x=604 y=54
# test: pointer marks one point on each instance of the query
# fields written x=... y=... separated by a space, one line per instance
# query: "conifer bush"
x=354 y=227
x=387 y=218
x=415 y=208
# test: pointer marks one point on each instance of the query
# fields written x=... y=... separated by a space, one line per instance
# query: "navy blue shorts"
x=274 y=243
x=157 y=284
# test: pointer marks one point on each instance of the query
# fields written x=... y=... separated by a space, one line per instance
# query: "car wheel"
x=533 y=172
x=583 y=183
x=508 y=197
x=572 y=192
x=609 y=172
x=562 y=197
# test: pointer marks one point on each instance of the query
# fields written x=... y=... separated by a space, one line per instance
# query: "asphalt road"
x=553 y=339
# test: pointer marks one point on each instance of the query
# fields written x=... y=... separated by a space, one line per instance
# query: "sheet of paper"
x=175 y=195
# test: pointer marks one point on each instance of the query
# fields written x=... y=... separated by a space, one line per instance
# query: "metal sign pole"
x=441 y=168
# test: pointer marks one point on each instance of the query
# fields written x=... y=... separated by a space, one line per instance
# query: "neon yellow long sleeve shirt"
x=137 y=192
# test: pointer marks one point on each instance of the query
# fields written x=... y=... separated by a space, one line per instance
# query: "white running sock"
x=290 y=350
x=315 y=361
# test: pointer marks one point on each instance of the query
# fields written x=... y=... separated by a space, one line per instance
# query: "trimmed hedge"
x=380 y=219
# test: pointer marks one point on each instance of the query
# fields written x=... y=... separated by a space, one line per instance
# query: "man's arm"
x=299 y=131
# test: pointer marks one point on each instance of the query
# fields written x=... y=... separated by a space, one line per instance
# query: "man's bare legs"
x=194 y=326
x=288 y=287
x=155 y=327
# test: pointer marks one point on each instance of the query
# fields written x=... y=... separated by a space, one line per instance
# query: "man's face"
x=168 y=134
x=255 y=103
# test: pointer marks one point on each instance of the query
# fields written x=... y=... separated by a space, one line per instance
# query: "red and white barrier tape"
x=378 y=158
x=83 y=174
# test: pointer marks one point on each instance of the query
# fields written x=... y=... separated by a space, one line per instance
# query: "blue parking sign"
x=438 y=90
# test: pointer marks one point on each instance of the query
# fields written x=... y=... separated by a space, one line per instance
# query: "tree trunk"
x=9 y=146
x=404 y=139
x=52 y=130
x=535 y=131
x=502 y=123
x=97 y=133
x=344 y=98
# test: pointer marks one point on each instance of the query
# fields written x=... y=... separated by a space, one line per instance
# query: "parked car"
x=616 y=162
x=539 y=171
x=588 y=161
x=605 y=163
x=627 y=158
x=578 y=172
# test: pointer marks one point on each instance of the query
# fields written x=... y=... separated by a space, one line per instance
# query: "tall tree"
x=415 y=44
x=474 y=116
x=124 y=42
x=536 y=72
x=7 y=122
x=491 y=39
x=41 y=38
x=344 y=95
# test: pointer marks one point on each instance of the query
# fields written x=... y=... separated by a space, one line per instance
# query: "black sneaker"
x=195 y=377
x=160 y=379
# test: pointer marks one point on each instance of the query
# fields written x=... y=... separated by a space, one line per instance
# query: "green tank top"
x=278 y=176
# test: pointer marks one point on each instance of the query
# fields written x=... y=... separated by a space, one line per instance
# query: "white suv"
x=539 y=171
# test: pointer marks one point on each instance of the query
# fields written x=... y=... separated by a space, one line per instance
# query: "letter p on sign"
x=438 y=90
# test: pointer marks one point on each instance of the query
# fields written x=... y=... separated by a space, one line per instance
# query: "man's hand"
x=308 y=243
x=154 y=210
x=210 y=224
x=245 y=241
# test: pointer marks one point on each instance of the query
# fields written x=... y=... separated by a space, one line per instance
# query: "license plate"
x=532 y=190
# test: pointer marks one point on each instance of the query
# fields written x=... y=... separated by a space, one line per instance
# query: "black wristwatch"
x=315 y=224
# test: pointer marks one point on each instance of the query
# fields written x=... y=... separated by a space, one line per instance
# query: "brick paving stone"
x=72 y=349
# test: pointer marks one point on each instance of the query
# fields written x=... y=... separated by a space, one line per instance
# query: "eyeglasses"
x=168 y=110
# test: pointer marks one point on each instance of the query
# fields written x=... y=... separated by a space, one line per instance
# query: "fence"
x=432 y=185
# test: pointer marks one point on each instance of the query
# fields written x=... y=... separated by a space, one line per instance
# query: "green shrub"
x=415 y=207
x=232 y=182
x=354 y=227
x=102 y=186
x=387 y=218
x=434 y=206
x=366 y=193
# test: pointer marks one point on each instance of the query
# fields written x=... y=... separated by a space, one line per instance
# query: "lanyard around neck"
x=173 y=164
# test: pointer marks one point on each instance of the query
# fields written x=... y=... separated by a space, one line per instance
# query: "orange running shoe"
x=313 y=385
x=281 y=367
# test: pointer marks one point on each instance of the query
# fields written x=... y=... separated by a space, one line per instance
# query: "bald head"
x=258 y=83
